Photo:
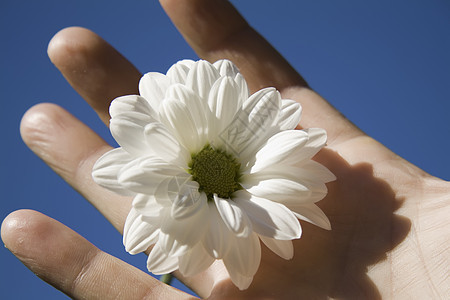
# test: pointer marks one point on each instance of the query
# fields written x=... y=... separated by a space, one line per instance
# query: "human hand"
x=372 y=183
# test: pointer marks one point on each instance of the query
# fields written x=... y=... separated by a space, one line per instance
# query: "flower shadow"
x=334 y=264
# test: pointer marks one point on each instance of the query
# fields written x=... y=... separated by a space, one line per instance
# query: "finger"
x=54 y=135
x=70 y=263
x=93 y=68
x=215 y=30
x=70 y=148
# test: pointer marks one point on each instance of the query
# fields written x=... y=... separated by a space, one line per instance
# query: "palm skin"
x=389 y=226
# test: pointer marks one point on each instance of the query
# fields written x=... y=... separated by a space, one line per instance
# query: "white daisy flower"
x=213 y=170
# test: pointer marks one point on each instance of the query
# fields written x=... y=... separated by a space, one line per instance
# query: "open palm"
x=390 y=231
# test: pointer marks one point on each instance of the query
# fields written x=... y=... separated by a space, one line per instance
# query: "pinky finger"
x=64 y=259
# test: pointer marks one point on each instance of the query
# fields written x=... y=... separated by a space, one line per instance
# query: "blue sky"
x=384 y=64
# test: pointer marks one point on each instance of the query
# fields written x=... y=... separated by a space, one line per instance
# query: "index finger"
x=97 y=71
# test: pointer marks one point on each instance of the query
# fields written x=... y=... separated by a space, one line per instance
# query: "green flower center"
x=216 y=171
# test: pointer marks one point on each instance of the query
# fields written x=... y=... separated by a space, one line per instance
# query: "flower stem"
x=166 y=278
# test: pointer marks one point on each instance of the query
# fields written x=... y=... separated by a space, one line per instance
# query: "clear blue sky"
x=385 y=64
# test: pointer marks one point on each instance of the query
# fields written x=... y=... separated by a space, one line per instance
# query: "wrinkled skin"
x=390 y=220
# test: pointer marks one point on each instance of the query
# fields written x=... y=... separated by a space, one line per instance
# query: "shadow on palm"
x=334 y=263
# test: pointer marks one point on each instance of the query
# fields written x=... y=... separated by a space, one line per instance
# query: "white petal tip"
x=242 y=282
x=130 y=251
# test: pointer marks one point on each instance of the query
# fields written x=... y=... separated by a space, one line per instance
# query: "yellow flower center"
x=216 y=172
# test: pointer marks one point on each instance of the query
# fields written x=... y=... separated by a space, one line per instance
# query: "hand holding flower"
x=387 y=216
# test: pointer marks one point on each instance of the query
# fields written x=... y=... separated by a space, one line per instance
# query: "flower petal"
x=217 y=238
x=242 y=282
x=291 y=112
x=283 y=249
x=129 y=134
x=198 y=109
x=169 y=189
x=262 y=109
x=130 y=114
x=159 y=263
x=178 y=236
x=308 y=184
x=138 y=235
x=171 y=245
x=223 y=102
x=317 y=139
x=233 y=216
x=147 y=206
x=195 y=261
x=226 y=68
x=201 y=77
x=281 y=190
x=278 y=148
x=179 y=71
x=176 y=116
x=316 y=172
x=253 y=124
x=243 y=259
x=143 y=175
x=244 y=92
x=311 y=213
x=308 y=171
x=187 y=201
x=131 y=104
x=162 y=143
x=107 y=167
x=152 y=87
x=269 y=218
